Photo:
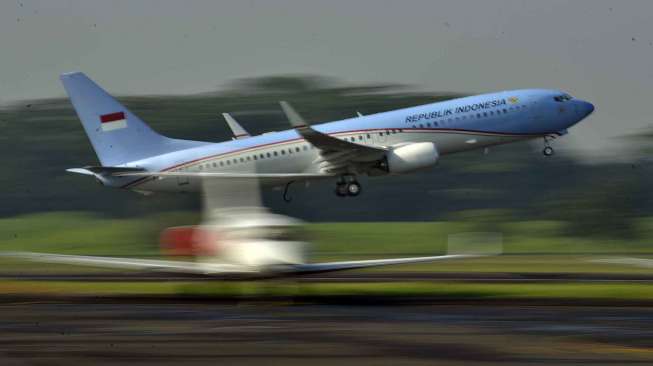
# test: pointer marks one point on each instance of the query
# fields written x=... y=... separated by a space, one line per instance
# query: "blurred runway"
x=134 y=333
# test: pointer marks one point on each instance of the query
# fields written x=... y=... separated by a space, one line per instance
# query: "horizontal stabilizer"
x=103 y=170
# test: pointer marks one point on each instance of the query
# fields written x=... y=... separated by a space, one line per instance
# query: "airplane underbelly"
x=453 y=141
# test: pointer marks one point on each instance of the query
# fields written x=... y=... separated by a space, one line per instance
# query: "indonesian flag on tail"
x=113 y=121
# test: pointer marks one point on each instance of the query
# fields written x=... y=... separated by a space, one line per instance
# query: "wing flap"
x=327 y=143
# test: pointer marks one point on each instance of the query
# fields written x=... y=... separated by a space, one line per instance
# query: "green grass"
x=531 y=247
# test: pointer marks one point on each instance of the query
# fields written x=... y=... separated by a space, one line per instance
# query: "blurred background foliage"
x=514 y=183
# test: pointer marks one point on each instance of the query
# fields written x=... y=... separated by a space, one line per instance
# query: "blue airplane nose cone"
x=585 y=108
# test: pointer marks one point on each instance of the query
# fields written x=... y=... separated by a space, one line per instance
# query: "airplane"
x=248 y=243
x=135 y=157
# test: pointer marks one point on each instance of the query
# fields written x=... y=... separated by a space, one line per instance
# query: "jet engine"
x=410 y=157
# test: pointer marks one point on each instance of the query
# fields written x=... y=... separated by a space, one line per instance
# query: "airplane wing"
x=349 y=265
x=214 y=269
x=236 y=128
x=336 y=154
x=134 y=264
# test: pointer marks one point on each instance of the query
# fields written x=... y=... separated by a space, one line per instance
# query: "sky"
x=597 y=50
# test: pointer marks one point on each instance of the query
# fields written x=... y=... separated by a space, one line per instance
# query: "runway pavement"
x=133 y=333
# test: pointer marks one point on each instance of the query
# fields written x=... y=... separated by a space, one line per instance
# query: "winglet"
x=295 y=118
x=359 y=114
x=238 y=130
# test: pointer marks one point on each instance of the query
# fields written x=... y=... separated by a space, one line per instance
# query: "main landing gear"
x=548 y=150
x=348 y=186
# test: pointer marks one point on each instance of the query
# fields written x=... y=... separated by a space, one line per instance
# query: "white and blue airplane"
x=135 y=157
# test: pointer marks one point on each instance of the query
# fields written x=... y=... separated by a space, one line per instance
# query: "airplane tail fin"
x=117 y=135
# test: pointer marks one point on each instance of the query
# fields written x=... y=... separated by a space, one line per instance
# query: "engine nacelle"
x=415 y=156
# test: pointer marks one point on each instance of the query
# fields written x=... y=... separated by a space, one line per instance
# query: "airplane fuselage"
x=453 y=126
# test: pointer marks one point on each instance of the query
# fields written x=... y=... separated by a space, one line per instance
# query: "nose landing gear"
x=548 y=150
x=348 y=186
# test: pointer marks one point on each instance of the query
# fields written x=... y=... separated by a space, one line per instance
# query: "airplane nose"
x=584 y=108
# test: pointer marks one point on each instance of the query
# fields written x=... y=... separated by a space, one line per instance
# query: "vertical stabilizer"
x=117 y=135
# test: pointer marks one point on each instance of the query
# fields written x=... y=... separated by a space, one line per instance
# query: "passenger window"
x=275 y=153
x=269 y=155
x=222 y=163
x=297 y=149
x=305 y=147
x=283 y=152
x=228 y=162
x=368 y=136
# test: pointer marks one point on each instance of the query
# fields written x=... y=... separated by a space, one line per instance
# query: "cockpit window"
x=562 y=98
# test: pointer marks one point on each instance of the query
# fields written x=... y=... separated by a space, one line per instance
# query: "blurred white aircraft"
x=253 y=242
x=238 y=238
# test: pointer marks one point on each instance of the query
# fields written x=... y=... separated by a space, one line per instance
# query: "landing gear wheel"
x=353 y=189
x=548 y=151
x=342 y=190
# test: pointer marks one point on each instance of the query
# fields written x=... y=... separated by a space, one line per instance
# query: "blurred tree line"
x=39 y=139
